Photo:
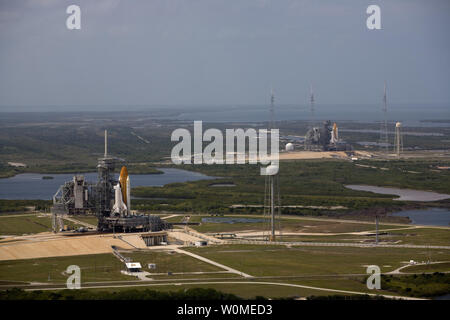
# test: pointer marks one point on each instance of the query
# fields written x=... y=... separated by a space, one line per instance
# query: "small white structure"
x=412 y=262
x=152 y=265
x=289 y=147
x=201 y=243
x=133 y=266
x=17 y=164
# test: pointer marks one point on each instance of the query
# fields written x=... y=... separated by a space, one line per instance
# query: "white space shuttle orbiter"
x=119 y=207
x=334 y=134
x=122 y=202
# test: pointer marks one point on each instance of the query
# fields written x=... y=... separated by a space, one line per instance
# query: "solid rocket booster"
x=128 y=196
x=123 y=183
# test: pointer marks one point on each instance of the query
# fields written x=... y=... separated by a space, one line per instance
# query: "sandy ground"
x=297 y=155
x=65 y=246
x=182 y=236
x=50 y=245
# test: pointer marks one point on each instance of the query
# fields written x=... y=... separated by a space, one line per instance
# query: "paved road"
x=342 y=220
x=398 y=270
x=196 y=256
x=88 y=225
x=235 y=283
x=335 y=244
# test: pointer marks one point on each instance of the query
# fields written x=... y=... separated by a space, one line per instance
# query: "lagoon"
x=404 y=194
x=32 y=186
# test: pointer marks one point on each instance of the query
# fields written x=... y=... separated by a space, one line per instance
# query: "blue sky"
x=223 y=52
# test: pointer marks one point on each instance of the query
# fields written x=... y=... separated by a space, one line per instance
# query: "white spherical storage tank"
x=289 y=147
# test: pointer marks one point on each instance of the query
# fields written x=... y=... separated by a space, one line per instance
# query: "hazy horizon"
x=213 y=53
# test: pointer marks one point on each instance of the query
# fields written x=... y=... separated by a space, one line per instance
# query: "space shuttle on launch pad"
x=122 y=199
x=334 y=134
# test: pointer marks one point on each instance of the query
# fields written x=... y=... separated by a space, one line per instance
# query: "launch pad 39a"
x=108 y=199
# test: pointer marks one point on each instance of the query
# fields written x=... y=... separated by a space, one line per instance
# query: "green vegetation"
x=23 y=205
x=96 y=267
x=170 y=262
x=58 y=145
x=287 y=224
x=423 y=236
x=24 y=224
x=419 y=236
x=129 y=294
x=422 y=285
x=245 y=290
x=87 y=219
x=433 y=267
x=307 y=183
x=258 y=260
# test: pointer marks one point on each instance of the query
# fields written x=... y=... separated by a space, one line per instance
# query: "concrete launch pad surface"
x=56 y=246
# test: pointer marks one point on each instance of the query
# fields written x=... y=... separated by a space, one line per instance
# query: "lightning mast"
x=272 y=207
x=310 y=126
x=272 y=102
x=384 y=139
x=106 y=144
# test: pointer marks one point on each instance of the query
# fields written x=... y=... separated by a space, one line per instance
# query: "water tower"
x=398 y=143
x=289 y=147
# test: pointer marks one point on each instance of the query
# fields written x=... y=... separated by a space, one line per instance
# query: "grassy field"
x=100 y=267
x=306 y=183
x=30 y=223
x=19 y=225
x=282 y=261
x=419 y=236
x=430 y=236
x=243 y=290
x=88 y=219
x=437 y=267
x=286 y=225
x=173 y=262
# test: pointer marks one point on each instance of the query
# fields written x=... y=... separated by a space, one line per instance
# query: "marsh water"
x=428 y=217
x=404 y=194
x=32 y=185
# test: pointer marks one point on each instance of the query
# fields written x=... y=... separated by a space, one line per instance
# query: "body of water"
x=231 y=220
x=31 y=185
x=404 y=194
x=409 y=114
x=428 y=217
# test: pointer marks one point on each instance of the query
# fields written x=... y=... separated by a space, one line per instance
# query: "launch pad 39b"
x=108 y=199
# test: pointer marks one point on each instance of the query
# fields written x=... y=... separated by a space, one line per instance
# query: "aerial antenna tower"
x=311 y=101
x=106 y=144
x=272 y=111
x=272 y=206
x=384 y=139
